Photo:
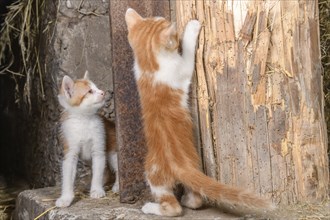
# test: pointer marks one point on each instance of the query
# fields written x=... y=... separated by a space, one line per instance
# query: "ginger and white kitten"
x=87 y=134
x=163 y=77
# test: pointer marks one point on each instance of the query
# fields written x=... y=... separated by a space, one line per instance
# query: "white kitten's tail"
x=221 y=193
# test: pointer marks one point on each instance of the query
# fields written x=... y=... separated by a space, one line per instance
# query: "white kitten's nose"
x=101 y=93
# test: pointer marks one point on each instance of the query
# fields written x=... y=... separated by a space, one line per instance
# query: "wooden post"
x=259 y=92
x=128 y=117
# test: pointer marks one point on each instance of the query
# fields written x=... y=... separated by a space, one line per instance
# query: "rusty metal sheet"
x=130 y=137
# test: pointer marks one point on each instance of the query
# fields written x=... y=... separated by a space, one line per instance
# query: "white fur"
x=157 y=18
x=84 y=133
x=154 y=169
x=190 y=200
x=151 y=208
x=175 y=70
x=137 y=71
x=159 y=191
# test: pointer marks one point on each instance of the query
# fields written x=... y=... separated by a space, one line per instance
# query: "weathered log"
x=259 y=94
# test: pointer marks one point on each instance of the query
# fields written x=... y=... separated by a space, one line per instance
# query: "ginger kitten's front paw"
x=193 y=27
x=64 y=201
x=97 y=193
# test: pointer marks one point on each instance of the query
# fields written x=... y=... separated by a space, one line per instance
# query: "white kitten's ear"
x=132 y=17
x=67 y=86
x=86 y=76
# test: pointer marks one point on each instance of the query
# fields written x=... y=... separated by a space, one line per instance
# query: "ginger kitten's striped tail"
x=221 y=193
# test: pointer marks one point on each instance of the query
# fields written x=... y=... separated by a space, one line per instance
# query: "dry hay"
x=22 y=29
x=8 y=192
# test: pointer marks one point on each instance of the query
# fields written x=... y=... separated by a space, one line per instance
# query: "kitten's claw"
x=64 y=201
x=97 y=193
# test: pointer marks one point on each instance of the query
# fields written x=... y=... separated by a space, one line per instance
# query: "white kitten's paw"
x=115 y=188
x=193 y=27
x=151 y=208
x=97 y=193
x=64 y=201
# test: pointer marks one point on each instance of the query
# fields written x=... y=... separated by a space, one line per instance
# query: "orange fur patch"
x=170 y=205
x=110 y=132
x=168 y=131
x=81 y=88
x=148 y=37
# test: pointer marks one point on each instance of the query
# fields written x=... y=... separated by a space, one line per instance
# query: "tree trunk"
x=259 y=95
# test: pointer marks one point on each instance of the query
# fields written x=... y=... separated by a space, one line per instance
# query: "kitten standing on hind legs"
x=163 y=77
x=85 y=133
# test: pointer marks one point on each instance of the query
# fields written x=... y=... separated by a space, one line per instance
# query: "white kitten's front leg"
x=69 y=173
x=189 y=46
x=97 y=190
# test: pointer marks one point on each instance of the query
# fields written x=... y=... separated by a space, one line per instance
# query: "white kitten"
x=84 y=132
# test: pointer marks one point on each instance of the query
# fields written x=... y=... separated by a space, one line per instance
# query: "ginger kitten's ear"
x=170 y=37
x=132 y=17
x=171 y=30
x=67 y=86
x=86 y=76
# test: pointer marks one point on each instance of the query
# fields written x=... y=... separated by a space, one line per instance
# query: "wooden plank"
x=130 y=135
x=199 y=86
x=260 y=97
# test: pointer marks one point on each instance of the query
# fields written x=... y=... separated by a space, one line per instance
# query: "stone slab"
x=31 y=203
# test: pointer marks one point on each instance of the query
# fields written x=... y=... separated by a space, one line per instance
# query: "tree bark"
x=259 y=94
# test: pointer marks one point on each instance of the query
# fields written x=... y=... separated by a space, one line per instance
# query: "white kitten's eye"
x=91 y=91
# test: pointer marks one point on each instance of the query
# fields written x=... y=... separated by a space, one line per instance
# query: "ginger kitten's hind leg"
x=166 y=203
x=191 y=199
